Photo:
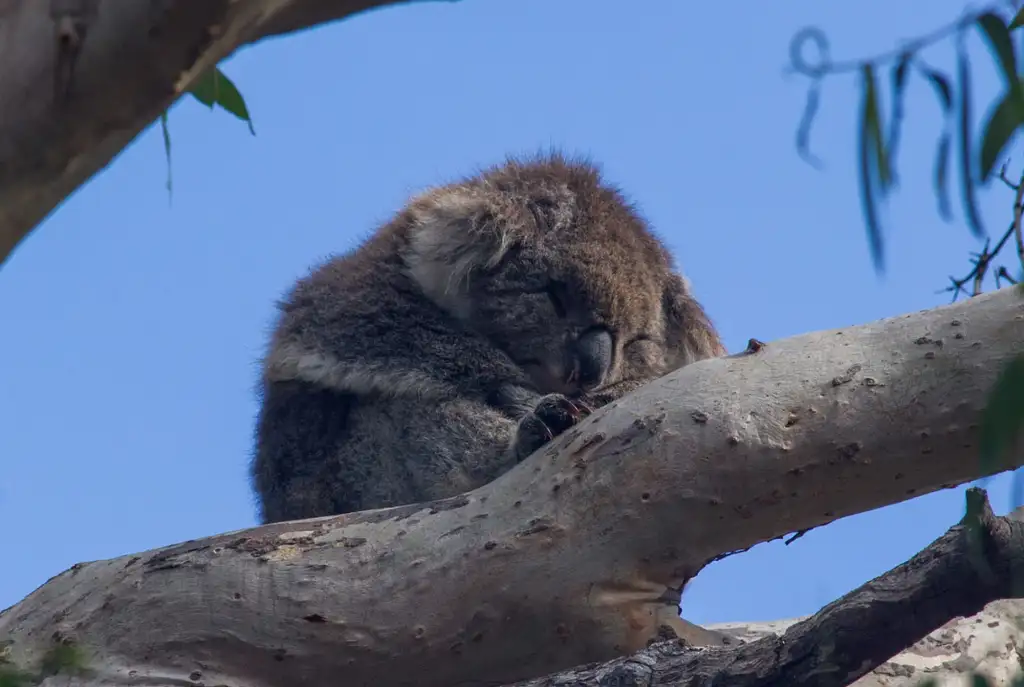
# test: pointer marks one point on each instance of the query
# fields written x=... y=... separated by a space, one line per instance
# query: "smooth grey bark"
x=578 y=553
x=82 y=78
x=956 y=575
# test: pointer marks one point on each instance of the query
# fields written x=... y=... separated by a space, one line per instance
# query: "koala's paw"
x=552 y=415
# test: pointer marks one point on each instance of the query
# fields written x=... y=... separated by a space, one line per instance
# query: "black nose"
x=594 y=353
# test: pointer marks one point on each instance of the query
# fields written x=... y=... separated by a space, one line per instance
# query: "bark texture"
x=578 y=553
x=973 y=564
x=85 y=77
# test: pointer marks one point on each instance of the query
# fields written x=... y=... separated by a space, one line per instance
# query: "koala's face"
x=558 y=271
x=570 y=328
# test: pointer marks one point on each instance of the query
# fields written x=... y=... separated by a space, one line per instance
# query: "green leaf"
x=874 y=126
x=999 y=40
x=1006 y=118
x=966 y=173
x=1003 y=417
x=1018 y=20
x=899 y=83
x=205 y=88
x=942 y=88
x=941 y=175
x=215 y=88
x=867 y=147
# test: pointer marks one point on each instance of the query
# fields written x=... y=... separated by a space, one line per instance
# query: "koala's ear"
x=689 y=334
x=453 y=233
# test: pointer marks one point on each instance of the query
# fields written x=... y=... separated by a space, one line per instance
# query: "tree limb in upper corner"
x=82 y=78
x=573 y=555
x=976 y=562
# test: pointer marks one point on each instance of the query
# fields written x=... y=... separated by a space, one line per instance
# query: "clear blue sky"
x=133 y=325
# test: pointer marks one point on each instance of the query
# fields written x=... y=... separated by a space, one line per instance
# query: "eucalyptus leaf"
x=1006 y=118
x=966 y=173
x=998 y=35
x=868 y=166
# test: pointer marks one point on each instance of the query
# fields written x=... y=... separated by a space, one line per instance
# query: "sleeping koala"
x=484 y=319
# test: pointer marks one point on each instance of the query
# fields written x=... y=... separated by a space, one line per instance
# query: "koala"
x=485 y=318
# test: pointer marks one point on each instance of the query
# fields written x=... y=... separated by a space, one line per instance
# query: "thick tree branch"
x=84 y=77
x=956 y=575
x=571 y=557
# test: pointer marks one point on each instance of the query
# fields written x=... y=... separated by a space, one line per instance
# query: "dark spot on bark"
x=590 y=441
x=699 y=416
x=535 y=526
x=314 y=618
x=850 y=450
x=645 y=497
x=847 y=376
x=352 y=542
x=490 y=545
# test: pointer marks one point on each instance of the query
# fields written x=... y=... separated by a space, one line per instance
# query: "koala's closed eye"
x=642 y=350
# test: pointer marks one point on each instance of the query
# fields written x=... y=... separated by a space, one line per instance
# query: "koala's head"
x=559 y=271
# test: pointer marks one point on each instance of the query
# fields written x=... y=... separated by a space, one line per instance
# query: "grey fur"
x=485 y=318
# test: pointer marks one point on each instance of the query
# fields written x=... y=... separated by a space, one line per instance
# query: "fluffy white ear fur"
x=454 y=232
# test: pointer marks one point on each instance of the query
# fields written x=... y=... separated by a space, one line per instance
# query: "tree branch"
x=956 y=575
x=90 y=75
x=576 y=554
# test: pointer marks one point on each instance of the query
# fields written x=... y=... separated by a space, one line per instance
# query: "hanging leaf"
x=1018 y=20
x=874 y=125
x=1006 y=118
x=870 y=165
x=994 y=28
x=966 y=173
x=899 y=83
x=944 y=92
x=214 y=88
x=941 y=179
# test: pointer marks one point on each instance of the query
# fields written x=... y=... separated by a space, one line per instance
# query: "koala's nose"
x=594 y=353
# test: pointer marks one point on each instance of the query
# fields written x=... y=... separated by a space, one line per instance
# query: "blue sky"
x=134 y=322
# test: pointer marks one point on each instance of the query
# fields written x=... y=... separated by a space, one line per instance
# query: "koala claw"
x=552 y=415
